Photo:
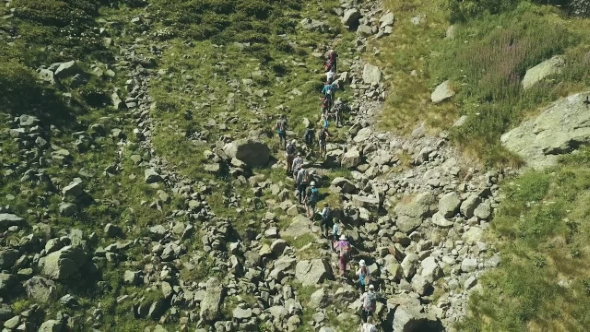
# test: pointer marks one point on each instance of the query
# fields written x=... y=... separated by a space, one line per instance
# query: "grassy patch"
x=542 y=232
x=485 y=61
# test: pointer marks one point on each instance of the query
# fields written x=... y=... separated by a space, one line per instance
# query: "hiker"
x=338 y=112
x=311 y=199
x=322 y=138
x=343 y=247
x=291 y=149
x=301 y=180
x=282 y=131
x=330 y=76
x=308 y=137
x=326 y=223
x=326 y=105
x=363 y=274
x=369 y=301
x=336 y=233
x=328 y=89
x=297 y=164
x=369 y=326
x=331 y=61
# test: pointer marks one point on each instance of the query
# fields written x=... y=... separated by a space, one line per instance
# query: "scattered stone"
x=543 y=70
x=253 y=153
x=442 y=92
x=312 y=272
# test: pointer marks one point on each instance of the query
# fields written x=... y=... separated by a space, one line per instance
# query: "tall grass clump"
x=542 y=232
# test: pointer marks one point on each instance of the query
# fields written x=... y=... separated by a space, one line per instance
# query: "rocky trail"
x=412 y=206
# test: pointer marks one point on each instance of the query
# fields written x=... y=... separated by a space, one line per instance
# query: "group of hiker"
x=308 y=192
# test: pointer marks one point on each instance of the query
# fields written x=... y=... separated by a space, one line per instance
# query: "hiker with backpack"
x=338 y=106
x=326 y=105
x=344 y=251
x=337 y=229
x=363 y=274
x=369 y=301
x=297 y=164
x=291 y=149
x=331 y=61
x=309 y=136
x=322 y=138
x=330 y=75
x=311 y=199
x=369 y=326
x=282 y=131
x=301 y=181
x=326 y=222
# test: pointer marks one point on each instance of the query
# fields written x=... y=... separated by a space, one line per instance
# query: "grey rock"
x=442 y=92
x=559 y=129
x=8 y=220
x=371 y=74
x=315 y=25
x=12 y=323
x=370 y=203
x=410 y=319
x=210 y=305
x=66 y=69
x=449 y=205
x=7 y=258
x=351 y=17
x=543 y=70
x=63 y=264
x=117 y=102
x=346 y=186
x=7 y=283
x=51 y=326
x=363 y=135
x=351 y=158
x=152 y=176
x=473 y=235
x=74 y=189
x=411 y=214
x=469 y=265
x=67 y=209
x=312 y=272
x=483 y=211
x=28 y=120
x=41 y=289
x=5 y=312
x=241 y=312
x=319 y=299
x=469 y=205
x=46 y=75
x=252 y=153
x=439 y=220
x=132 y=277
x=387 y=20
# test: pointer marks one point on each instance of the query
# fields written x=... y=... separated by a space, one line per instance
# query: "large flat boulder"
x=410 y=319
x=64 y=264
x=313 y=272
x=351 y=17
x=371 y=74
x=8 y=220
x=442 y=92
x=411 y=213
x=210 y=305
x=543 y=70
x=253 y=153
x=560 y=129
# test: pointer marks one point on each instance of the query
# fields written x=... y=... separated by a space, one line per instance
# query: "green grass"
x=485 y=61
x=542 y=233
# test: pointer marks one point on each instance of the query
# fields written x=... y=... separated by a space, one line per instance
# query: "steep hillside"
x=143 y=187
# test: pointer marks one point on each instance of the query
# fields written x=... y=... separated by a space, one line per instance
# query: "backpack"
x=290 y=148
x=345 y=251
x=314 y=195
x=326 y=124
x=328 y=215
x=282 y=125
x=370 y=302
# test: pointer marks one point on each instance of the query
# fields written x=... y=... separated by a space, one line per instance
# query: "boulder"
x=371 y=74
x=63 y=264
x=410 y=319
x=541 y=71
x=213 y=296
x=346 y=186
x=40 y=289
x=351 y=17
x=151 y=176
x=483 y=211
x=8 y=282
x=312 y=272
x=469 y=265
x=469 y=205
x=66 y=69
x=559 y=129
x=253 y=153
x=74 y=189
x=7 y=258
x=387 y=20
x=363 y=135
x=449 y=205
x=439 y=220
x=351 y=158
x=319 y=299
x=300 y=225
x=242 y=312
x=442 y=92
x=411 y=214
x=8 y=220
x=472 y=235
x=315 y=25
x=370 y=203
